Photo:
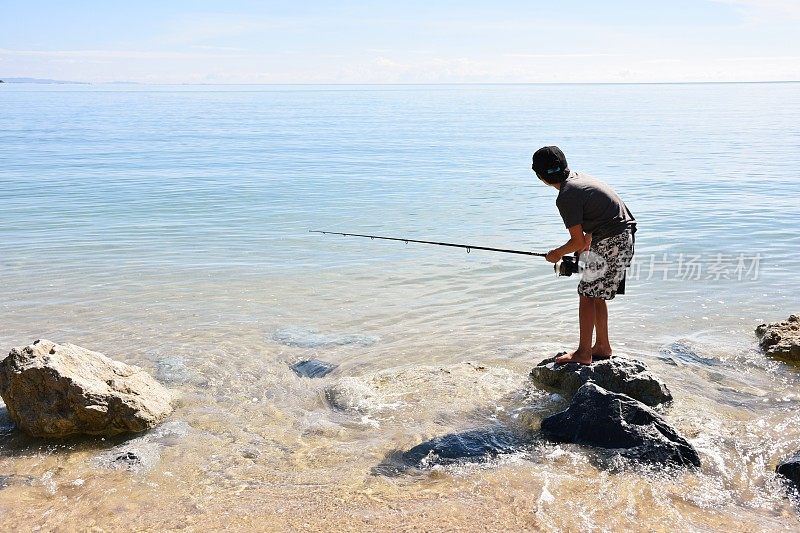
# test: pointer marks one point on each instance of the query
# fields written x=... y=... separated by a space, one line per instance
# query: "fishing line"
x=566 y=267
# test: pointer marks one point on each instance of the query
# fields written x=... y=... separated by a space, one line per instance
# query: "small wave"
x=685 y=351
x=355 y=395
x=305 y=338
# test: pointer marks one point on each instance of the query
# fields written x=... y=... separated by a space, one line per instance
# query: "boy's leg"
x=602 y=346
x=586 y=318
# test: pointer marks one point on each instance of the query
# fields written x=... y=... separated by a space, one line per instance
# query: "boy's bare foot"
x=578 y=356
x=601 y=352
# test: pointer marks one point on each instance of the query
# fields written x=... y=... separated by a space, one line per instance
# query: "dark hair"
x=550 y=164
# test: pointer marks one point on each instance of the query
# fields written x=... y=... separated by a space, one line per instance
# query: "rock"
x=470 y=446
x=172 y=369
x=13 y=480
x=6 y=424
x=57 y=390
x=684 y=352
x=781 y=339
x=597 y=417
x=355 y=395
x=142 y=453
x=618 y=374
x=406 y=389
x=138 y=457
x=313 y=368
x=305 y=338
x=474 y=446
x=790 y=469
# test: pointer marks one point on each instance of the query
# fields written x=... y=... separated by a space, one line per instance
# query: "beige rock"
x=56 y=390
x=781 y=339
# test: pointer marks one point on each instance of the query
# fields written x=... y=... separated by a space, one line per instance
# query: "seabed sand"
x=267 y=451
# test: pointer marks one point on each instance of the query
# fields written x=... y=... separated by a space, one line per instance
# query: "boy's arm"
x=576 y=242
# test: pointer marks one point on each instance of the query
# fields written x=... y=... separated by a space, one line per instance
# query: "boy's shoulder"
x=571 y=186
x=578 y=183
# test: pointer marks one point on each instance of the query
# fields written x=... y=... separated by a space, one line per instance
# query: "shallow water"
x=167 y=227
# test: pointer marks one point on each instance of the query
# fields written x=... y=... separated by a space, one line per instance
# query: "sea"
x=169 y=227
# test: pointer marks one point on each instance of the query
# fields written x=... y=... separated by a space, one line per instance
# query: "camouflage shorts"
x=604 y=266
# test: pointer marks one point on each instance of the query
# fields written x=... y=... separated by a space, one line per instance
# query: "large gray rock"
x=618 y=374
x=597 y=417
x=781 y=339
x=56 y=390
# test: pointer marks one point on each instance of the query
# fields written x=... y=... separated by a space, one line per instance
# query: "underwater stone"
x=618 y=374
x=312 y=368
x=305 y=338
x=172 y=369
x=14 y=480
x=781 y=339
x=683 y=353
x=134 y=457
x=790 y=469
x=143 y=453
x=56 y=390
x=597 y=417
x=469 y=446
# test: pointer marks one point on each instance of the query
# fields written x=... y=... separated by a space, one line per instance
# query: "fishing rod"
x=566 y=267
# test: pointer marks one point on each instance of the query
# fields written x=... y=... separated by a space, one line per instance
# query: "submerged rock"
x=683 y=352
x=142 y=453
x=172 y=369
x=313 y=368
x=597 y=417
x=618 y=374
x=414 y=388
x=790 y=469
x=134 y=458
x=781 y=339
x=469 y=446
x=306 y=338
x=15 y=480
x=357 y=396
x=57 y=390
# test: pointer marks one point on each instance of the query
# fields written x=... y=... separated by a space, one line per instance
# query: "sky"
x=408 y=41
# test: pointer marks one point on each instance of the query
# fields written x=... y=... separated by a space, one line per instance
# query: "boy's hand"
x=553 y=256
x=588 y=240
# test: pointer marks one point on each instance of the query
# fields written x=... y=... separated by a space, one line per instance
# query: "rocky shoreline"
x=781 y=339
x=618 y=405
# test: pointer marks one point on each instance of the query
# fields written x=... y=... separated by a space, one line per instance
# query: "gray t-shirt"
x=585 y=200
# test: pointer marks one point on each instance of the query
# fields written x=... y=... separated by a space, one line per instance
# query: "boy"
x=601 y=226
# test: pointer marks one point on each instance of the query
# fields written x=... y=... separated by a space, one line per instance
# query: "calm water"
x=168 y=227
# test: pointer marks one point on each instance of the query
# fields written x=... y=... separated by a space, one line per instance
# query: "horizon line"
x=378 y=84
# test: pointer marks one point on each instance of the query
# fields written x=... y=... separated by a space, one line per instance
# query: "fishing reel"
x=567 y=266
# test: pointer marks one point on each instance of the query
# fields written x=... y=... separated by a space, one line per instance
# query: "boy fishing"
x=601 y=228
